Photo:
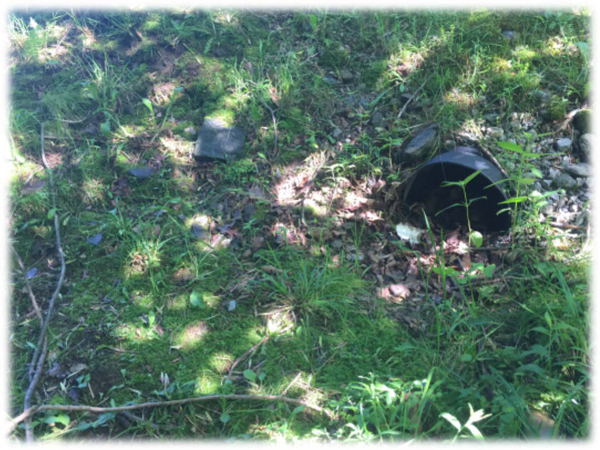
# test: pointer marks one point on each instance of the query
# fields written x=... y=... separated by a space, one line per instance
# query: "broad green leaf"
x=526 y=181
x=470 y=177
x=476 y=238
x=105 y=128
x=510 y=146
x=196 y=299
x=513 y=200
x=249 y=375
x=148 y=104
x=60 y=418
x=312 y=19
x=51 y=213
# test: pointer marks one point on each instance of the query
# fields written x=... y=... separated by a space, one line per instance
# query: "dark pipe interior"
x=426 y=189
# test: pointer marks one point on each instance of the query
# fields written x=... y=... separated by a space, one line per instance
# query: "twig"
x=291 y=384
x=567 y=226
x=36 y=308
x=411 y=98
x=484 y=281
x=241 y=358
x=95 y=409
x=274 y=124
x=39 y=355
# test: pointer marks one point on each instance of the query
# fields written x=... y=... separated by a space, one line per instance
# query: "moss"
x=555 y=109
x=335 y=55
x=374 y=71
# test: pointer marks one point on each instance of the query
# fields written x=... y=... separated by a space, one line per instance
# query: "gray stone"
x=509 y=35
x=546 y=184
x=399 y=290
x=563 y=145
x=218 y=141
x=564 y=181
x=419 y=146
x=377 y=119
x=337 y=244
x=542 y=96
x=347 y=76
x=336 y=132
x=248 y=212
x=491 y=117
x=553 y=173
x=495 y=132
x=585 y=145
x=199 y=231
x=581 y=170
x=140 y=172
x=553 y=198
x=191 y=131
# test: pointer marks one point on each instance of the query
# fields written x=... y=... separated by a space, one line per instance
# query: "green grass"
x=511 y=350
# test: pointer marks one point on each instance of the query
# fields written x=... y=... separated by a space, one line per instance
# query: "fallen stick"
x=411 y=98
x=98 y=410
x=39 y=355
x=34 y=304
x=567 y=226
x=274 y=124
x=241 y=358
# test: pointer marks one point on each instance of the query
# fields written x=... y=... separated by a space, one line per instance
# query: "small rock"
x=491 y=117
x=399 y=290
x=218 y=141
x=199 y=231
x=564 y=181
x=563 y=145
x=330 y=80
x=337 y=244
x=585 y=146
x=248 y=212
x=421 y=144
x=140 y=172
x=495 y=132
x=509 y=35
x=554 y=198
x=377 y=119
x=546 y=184
x=553 y=173
x=191 y=131
x=581 y=170
x=336 y=133
x=256 y=242
x=542 y=96
x=347 y=76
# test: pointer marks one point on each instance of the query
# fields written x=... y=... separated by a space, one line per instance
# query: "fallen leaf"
x=32 y=272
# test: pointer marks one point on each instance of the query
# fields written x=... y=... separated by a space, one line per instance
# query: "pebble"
x=191 y=131
x=564 y=181
x=581 y=170
x=495 y=132
x=377 y=119
x=347 y=76
x=585 y=145
x=563 y=145
x=336 y=132
x=399 y=290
